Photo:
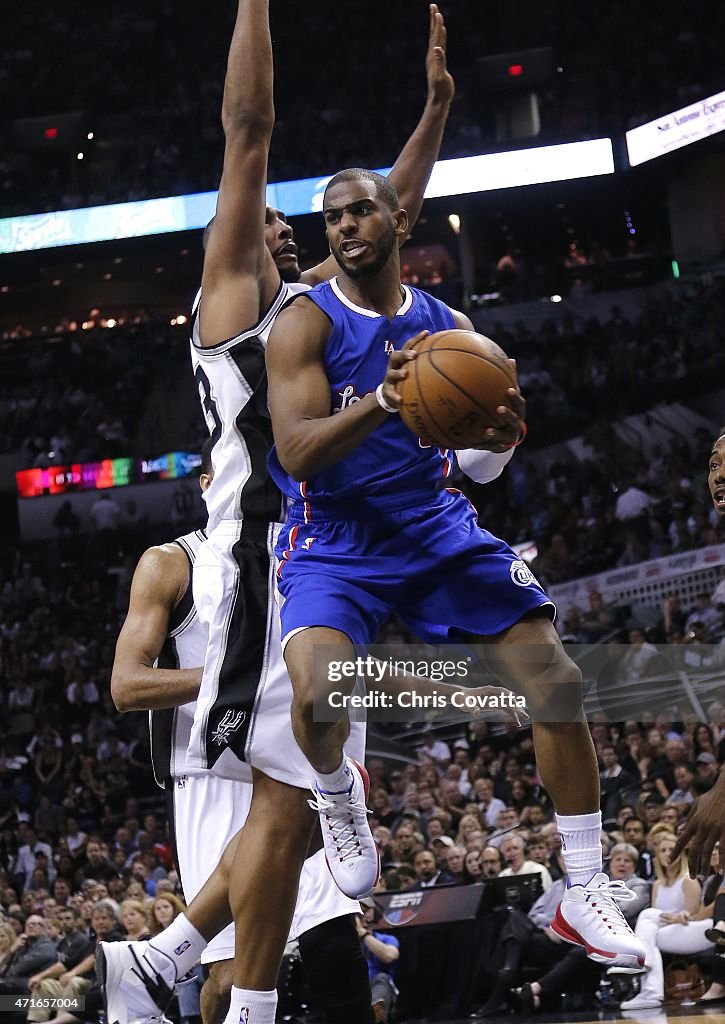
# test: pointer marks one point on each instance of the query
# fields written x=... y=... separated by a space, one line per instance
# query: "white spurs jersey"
x=185 y=647
x=232 y=382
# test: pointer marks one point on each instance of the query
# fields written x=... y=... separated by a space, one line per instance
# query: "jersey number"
x=211 y=415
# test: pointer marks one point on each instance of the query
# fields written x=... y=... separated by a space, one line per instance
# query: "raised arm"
x=159 y=583
x=412 y=170
x=239 y=277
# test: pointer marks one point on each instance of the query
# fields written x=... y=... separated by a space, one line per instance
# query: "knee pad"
x=337 y=972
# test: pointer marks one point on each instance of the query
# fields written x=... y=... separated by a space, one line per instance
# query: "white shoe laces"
x=340 y=821
x=604 y=900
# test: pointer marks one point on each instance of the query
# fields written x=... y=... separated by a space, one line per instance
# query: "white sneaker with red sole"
x=350 y=849
x=589 y=916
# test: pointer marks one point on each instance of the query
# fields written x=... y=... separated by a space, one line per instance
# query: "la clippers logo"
x=228 y=725
x=403 y=908
x=521 y=575
x=389 y=347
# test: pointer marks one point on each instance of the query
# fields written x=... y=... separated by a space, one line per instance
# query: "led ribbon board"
x=96 y=476
x=189 y=212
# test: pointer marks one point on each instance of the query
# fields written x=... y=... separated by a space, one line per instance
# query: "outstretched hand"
x=494 y=699
x=441 y=87
x=705 y=826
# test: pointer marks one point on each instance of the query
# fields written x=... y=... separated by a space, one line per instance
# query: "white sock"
x=180 y=942
x=250 y=1007
x=339 y=781
x=580 y=845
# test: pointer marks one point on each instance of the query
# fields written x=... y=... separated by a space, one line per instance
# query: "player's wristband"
x=520 y=439
x=380 y=398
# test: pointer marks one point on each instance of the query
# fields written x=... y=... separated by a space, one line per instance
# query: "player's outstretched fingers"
x=412 y=341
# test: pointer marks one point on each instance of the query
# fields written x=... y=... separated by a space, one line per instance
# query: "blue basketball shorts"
x=432 y=565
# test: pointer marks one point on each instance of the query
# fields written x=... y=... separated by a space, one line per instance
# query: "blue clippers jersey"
x=390 y=468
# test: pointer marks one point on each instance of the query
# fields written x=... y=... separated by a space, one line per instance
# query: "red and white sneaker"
x=350 y=849
x=588 y=916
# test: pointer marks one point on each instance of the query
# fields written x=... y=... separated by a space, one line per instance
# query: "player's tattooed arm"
x=412 y=170
x=308 y=437
x=159 y=582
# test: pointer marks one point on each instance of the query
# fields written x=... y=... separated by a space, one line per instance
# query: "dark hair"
x=634 y=817
x=384 y=187
x=206 y=466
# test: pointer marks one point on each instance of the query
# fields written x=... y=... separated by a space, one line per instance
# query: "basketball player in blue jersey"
x=157 y=668
x=243 y=709
x=369 y=533
x=705 y=825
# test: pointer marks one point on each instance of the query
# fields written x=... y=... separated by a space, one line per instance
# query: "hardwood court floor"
x=681 y=1015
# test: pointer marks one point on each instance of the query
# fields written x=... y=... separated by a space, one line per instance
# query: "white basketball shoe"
x=133 y=989
x=589 y=916
x=350 y=849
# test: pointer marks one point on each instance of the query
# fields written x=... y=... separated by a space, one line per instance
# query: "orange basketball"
x=454 y=387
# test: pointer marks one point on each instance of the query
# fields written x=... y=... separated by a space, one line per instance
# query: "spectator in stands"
x=634 y=832
x=134 y=919
x=491 y=862
x=97 y=866
x=427 y=872
x=71 y=949
x=615 y=782
x=707 y=768
x=513 y=849
x=435 y=750
x=472 y=867
x=31 y=952
x=381 y=950
x=681 y=915
x=455 y=864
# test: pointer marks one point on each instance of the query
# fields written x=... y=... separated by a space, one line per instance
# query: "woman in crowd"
x=681 y=914
x=7 y=941
x=164 y=910
x=135 y=920
x=472 y=869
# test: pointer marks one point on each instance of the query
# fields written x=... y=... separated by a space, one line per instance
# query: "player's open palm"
x=441 y=87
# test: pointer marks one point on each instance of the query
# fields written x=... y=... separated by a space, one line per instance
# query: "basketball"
x=454 y=387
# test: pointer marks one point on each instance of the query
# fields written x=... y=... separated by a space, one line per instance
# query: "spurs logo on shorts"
x=229 y=724
x=521 y=575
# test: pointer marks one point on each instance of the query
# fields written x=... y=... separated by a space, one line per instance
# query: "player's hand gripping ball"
x=454 y=390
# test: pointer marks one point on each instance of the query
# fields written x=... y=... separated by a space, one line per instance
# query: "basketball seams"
x=455 y=384
x=421 y=396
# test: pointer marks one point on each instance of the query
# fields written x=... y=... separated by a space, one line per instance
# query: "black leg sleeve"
x=337 y=972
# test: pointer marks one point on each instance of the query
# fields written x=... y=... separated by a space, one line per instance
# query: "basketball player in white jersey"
x=157 y=667
x=243 y=707
x=705 y=825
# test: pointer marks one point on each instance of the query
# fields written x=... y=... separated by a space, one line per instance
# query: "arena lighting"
x=455 y=222
x=516 y=70
x=50 y=133
x=677 y=129
x=93 y=476
x=470 y=174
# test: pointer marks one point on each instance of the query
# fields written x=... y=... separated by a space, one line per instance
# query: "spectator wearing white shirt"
x=632 y=503
x=489 y=804
x=513 y=849
x=435 y=750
